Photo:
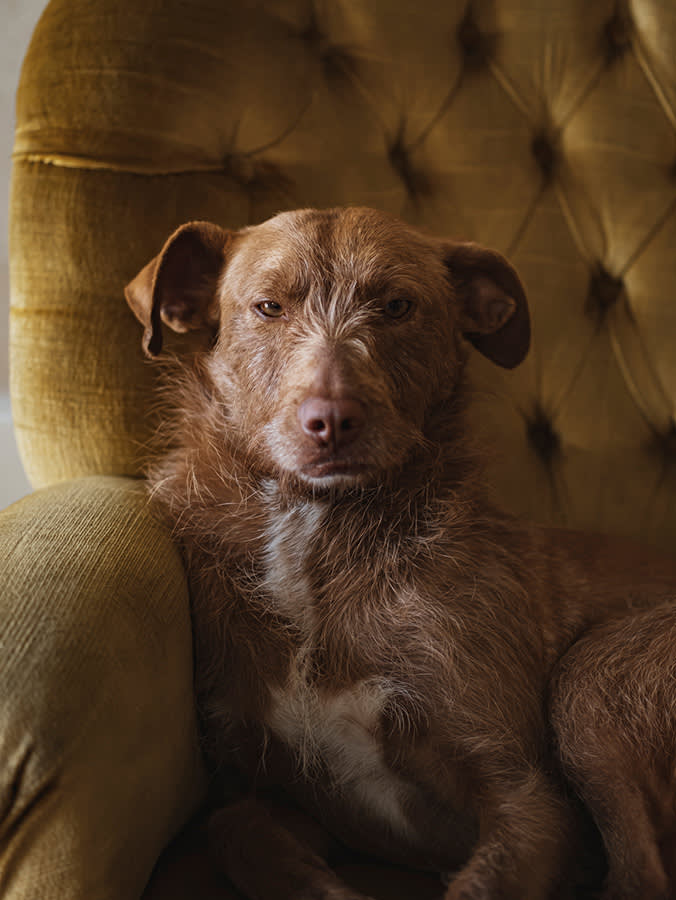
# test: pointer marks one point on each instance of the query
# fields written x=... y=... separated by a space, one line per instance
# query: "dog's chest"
x=287 y=559
x=334 y=735
x=335 y=739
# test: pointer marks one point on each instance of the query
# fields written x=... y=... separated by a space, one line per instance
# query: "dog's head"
x=335 y=333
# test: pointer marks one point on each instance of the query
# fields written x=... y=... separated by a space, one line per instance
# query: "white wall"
x=17 y=20
x=13 y=482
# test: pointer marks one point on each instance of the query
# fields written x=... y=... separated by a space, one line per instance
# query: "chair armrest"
x=99 y=759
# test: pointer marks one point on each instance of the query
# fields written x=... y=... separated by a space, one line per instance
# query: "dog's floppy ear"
x=493 y=307
x=179 y=287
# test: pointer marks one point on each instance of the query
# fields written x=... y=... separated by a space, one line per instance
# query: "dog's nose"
x=332 y=423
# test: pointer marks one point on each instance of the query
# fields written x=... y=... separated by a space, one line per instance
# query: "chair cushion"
x=100 y=763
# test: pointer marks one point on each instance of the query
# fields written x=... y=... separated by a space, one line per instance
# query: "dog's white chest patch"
x=339 y=735
x=286 y=579
x=335 y=734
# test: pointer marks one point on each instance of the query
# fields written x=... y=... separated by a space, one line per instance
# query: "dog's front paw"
x=470 y=892
x=330 y=891
x=470 y=884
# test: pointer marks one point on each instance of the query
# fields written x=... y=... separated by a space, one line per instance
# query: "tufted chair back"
x=543 y=128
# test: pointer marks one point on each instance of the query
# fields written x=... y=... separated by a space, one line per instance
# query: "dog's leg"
x=636 y=868
x=274 y=854
x=611 y=702
x=525 y=837
x=620 y=809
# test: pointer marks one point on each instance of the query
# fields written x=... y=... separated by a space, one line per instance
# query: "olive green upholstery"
x=100 y=763
x=544 y=128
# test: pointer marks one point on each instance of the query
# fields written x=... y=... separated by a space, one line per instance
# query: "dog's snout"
x=332 y=422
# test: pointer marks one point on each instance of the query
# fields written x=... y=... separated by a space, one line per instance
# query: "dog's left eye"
x=270 y=309
x=397 y=308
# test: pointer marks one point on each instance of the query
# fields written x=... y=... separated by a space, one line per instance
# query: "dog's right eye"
x=270 y=309
x=398 y=308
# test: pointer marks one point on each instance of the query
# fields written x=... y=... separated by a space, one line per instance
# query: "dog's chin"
x=335 y=475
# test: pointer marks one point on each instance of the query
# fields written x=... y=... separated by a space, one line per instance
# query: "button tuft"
x=418 y=185
x=476 y=46
x=604 y=292
x=341 y=67
x=542 y=437
x=312 y=34
x=545 y=152
x=617 y=34
x=340 y=63
x=664 y=443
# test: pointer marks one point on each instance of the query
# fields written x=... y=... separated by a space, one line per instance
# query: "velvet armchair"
x=543 y=128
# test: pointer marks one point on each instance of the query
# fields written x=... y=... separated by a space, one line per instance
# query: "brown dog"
x=371 y=634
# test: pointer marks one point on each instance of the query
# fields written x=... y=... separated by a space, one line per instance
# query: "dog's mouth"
x=331 y=470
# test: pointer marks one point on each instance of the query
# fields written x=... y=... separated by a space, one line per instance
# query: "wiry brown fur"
x=381 y=642
x=614 y=709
